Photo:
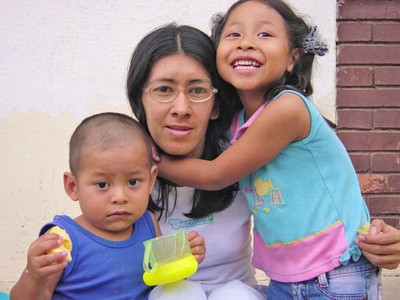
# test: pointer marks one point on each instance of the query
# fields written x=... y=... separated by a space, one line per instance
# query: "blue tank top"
x=103 y=269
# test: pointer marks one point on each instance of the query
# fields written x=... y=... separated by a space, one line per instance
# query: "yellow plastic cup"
x=168 y=259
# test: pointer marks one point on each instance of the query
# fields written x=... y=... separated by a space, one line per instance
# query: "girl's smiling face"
x=254 y=50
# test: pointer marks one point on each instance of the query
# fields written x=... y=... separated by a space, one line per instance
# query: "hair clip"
x=312 y=43
x=216 y=20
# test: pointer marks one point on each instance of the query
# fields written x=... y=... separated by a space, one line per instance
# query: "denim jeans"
x=357 y=280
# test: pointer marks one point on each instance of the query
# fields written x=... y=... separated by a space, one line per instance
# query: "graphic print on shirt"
x=190 y=223
x=260 y=193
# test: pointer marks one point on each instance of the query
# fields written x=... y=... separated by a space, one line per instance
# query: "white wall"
x=61 y=61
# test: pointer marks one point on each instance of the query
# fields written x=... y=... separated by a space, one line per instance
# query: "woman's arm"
x=381 y=245
x=280 y=123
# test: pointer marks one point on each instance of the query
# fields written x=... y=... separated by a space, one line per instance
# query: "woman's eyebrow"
x=200 y=80
x=170 y=80
x=162 y=79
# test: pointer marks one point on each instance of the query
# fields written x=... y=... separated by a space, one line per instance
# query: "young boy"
x=111 y=177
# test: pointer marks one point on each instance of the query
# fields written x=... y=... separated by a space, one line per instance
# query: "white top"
x=227 y=237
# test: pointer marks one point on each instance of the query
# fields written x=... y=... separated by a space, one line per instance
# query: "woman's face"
x=178 y=127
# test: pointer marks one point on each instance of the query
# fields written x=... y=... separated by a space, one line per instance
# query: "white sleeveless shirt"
x=227 y=237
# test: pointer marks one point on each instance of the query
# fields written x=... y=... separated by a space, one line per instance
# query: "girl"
x=297 y=175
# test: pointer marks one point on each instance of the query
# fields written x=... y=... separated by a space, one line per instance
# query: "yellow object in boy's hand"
x=66 y=242
x=364 y=229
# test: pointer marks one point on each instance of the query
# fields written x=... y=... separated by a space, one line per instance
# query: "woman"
x=169 y=67
x=170 y=88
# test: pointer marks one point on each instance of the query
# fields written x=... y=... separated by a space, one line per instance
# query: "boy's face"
x=112 y=187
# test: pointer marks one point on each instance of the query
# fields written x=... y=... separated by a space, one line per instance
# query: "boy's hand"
x=42 y=264
x=197 y=245
x=381 y=246
x=42 y=271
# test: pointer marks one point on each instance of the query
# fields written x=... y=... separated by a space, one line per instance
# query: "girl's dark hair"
x=168 y=40
x=299 y=78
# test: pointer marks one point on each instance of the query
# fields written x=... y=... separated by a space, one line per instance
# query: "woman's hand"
x=197 y=245
x=381 y=246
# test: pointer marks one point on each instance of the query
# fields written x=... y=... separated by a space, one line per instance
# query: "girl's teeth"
x=246 y=64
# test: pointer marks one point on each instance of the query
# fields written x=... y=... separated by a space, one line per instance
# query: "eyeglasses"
x=167 y=93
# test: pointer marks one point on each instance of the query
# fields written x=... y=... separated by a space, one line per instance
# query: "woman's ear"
x=293 y=58
x=153 y=176
x=71 y=186
x=215 y=112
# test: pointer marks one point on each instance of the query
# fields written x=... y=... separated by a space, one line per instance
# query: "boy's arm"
x=196 y=241
x=381 y=245
x=279 y=123
x=43 y=270
x=197 y=245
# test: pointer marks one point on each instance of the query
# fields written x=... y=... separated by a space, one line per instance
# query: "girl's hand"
x=381 y=245
x=197 y=245
x=165 y=165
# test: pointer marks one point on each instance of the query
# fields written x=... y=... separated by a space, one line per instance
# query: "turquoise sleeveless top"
x=306 y=202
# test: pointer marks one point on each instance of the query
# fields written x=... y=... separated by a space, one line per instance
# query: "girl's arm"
x=382 y=245
x=280 y=123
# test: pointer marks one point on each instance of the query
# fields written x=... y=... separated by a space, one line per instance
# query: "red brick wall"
x=368 y=99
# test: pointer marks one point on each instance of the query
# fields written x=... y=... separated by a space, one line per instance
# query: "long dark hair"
x=168 y=40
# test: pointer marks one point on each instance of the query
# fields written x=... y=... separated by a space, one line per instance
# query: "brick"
x=385 y=162
x=387 y=75
x=368 y=54
x=355 y=118
x=392 y=221
x=370 y=140
x=368 y=38
x=380 y=97
x=386 y=32
x=354 y=32
x=369 y=9
x=384 y=204
x=387 y=118
x=361 y=162
x=354 y=76
x=379 y=183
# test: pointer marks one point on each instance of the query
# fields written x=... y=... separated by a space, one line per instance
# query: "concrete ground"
x=391 y=284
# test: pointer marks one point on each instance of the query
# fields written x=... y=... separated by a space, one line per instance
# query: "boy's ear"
x=293 y=58
x=71 y=186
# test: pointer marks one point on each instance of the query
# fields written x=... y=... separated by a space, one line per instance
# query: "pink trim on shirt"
x=236 y=130
x=300 y=263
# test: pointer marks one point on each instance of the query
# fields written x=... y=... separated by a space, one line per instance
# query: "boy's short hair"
x=108 y=130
